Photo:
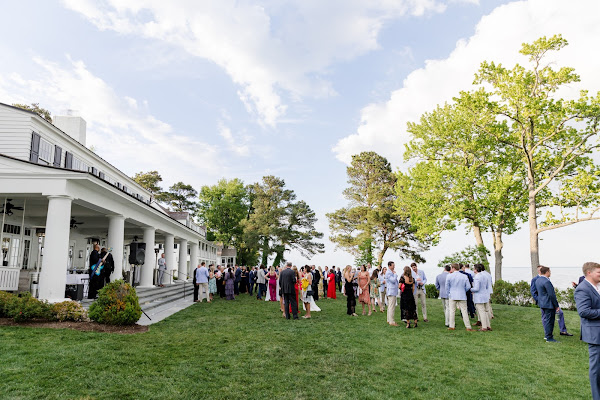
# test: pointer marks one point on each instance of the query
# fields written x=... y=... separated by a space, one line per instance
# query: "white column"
x=53 y=277
x=182 y=259
x=193 y=257
x=146 y=279
x=116 y=238
x=170 y=257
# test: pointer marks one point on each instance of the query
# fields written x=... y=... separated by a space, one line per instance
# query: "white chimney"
x=72 y=124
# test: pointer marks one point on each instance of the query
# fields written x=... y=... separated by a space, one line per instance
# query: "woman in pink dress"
x=363 y=284
x=272 y=285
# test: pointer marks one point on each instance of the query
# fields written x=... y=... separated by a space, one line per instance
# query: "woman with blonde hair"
x=363 y=289
x=349 y=288
x=382 y=289
x=374 y=290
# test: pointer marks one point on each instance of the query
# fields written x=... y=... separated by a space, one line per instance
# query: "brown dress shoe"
x=470 y=330
x=478 y=323
x=451 y=329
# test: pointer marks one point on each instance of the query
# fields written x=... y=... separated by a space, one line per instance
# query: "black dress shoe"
x=566 y=334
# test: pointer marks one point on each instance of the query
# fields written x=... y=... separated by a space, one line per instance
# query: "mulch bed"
x=78 y=326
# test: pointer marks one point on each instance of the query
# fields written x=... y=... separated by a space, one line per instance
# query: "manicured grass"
x=244 y=349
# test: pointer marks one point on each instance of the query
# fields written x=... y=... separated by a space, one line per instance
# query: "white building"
x=58 y=198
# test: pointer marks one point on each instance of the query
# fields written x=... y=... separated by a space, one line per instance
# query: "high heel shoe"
x=416 y=325
x=408 y=325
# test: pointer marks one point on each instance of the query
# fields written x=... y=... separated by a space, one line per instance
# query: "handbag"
x=402 y=288
x=309 y=293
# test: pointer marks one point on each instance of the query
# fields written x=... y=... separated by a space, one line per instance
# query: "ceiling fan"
x=75 y=223
x=10 y=207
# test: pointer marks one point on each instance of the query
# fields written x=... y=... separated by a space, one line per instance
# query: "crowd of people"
x=374 y=288
x=378 y=289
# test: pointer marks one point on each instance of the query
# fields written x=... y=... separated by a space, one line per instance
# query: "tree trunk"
x=479 y=240
x=265 y=252
x=381 y=254
x=533 y=232
x=498 y=245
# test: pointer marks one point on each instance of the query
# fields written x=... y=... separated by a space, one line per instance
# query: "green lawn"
x=245 y=350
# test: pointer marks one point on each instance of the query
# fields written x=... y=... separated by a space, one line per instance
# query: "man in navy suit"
x=561 y=316
x=587 y=299
x=547 y=302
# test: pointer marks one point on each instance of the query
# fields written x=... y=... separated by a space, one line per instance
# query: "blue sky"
x=294 y=88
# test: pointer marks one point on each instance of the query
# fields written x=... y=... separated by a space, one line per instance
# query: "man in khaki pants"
x=421 y=280
x=391 y=291
x=457 y=285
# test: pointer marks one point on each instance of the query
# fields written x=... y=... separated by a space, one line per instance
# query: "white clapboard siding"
x=15 y=133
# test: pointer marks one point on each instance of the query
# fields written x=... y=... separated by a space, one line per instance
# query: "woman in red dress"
x=331 y=286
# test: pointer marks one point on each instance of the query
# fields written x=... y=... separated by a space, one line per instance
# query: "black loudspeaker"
x=137 y=253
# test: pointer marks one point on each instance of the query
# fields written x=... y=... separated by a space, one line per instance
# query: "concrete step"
x=155 y=297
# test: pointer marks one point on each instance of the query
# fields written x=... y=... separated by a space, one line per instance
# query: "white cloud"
x=121 y=128
x=236 y=144
x=498 y=37
x=268 y=48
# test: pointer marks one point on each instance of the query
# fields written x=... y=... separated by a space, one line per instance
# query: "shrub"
x=117 y=304
x=5 y=299
x=566 y=299
x=25 y=307
x=503 y=292
x=69 y=311
x=522 y=295
x=431 y=291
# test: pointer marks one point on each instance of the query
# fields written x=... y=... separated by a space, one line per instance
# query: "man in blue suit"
x=547 y=302
x=559 y=313
x=587 y=299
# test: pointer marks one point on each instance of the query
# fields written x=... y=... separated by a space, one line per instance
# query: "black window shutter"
x=35 y=147
x=57 y=156
x=68 y=160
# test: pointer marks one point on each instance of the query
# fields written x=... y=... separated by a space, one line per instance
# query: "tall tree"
x=370 y=214
x=552 y=137
x=279 y=223
x=35 y=107
x=181 y=197
x=222 y=208
x=462 y=177
x=150 y=181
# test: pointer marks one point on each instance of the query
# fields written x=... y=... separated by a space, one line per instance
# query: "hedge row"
x=25 y=307
x=517 y=294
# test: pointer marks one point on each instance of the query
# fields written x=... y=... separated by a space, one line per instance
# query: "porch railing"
x=9 y=278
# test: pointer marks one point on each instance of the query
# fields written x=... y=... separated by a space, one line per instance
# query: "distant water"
x=561 y=277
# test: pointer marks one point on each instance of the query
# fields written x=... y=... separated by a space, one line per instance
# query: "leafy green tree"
x=370 y=214
x=181 y=197
x=150 y=181
x=552 y=137
x=470 y=255
x=365 y=253
x=222 y=208
x=278 y=223
x=35 y=107
x=462 y=178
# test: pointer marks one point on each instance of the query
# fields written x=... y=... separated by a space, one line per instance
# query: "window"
x=79 y=165
x=14 y=229
x=46 y=151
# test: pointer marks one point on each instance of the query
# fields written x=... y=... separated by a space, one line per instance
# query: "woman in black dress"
x=407 y=298
x=349 y=288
